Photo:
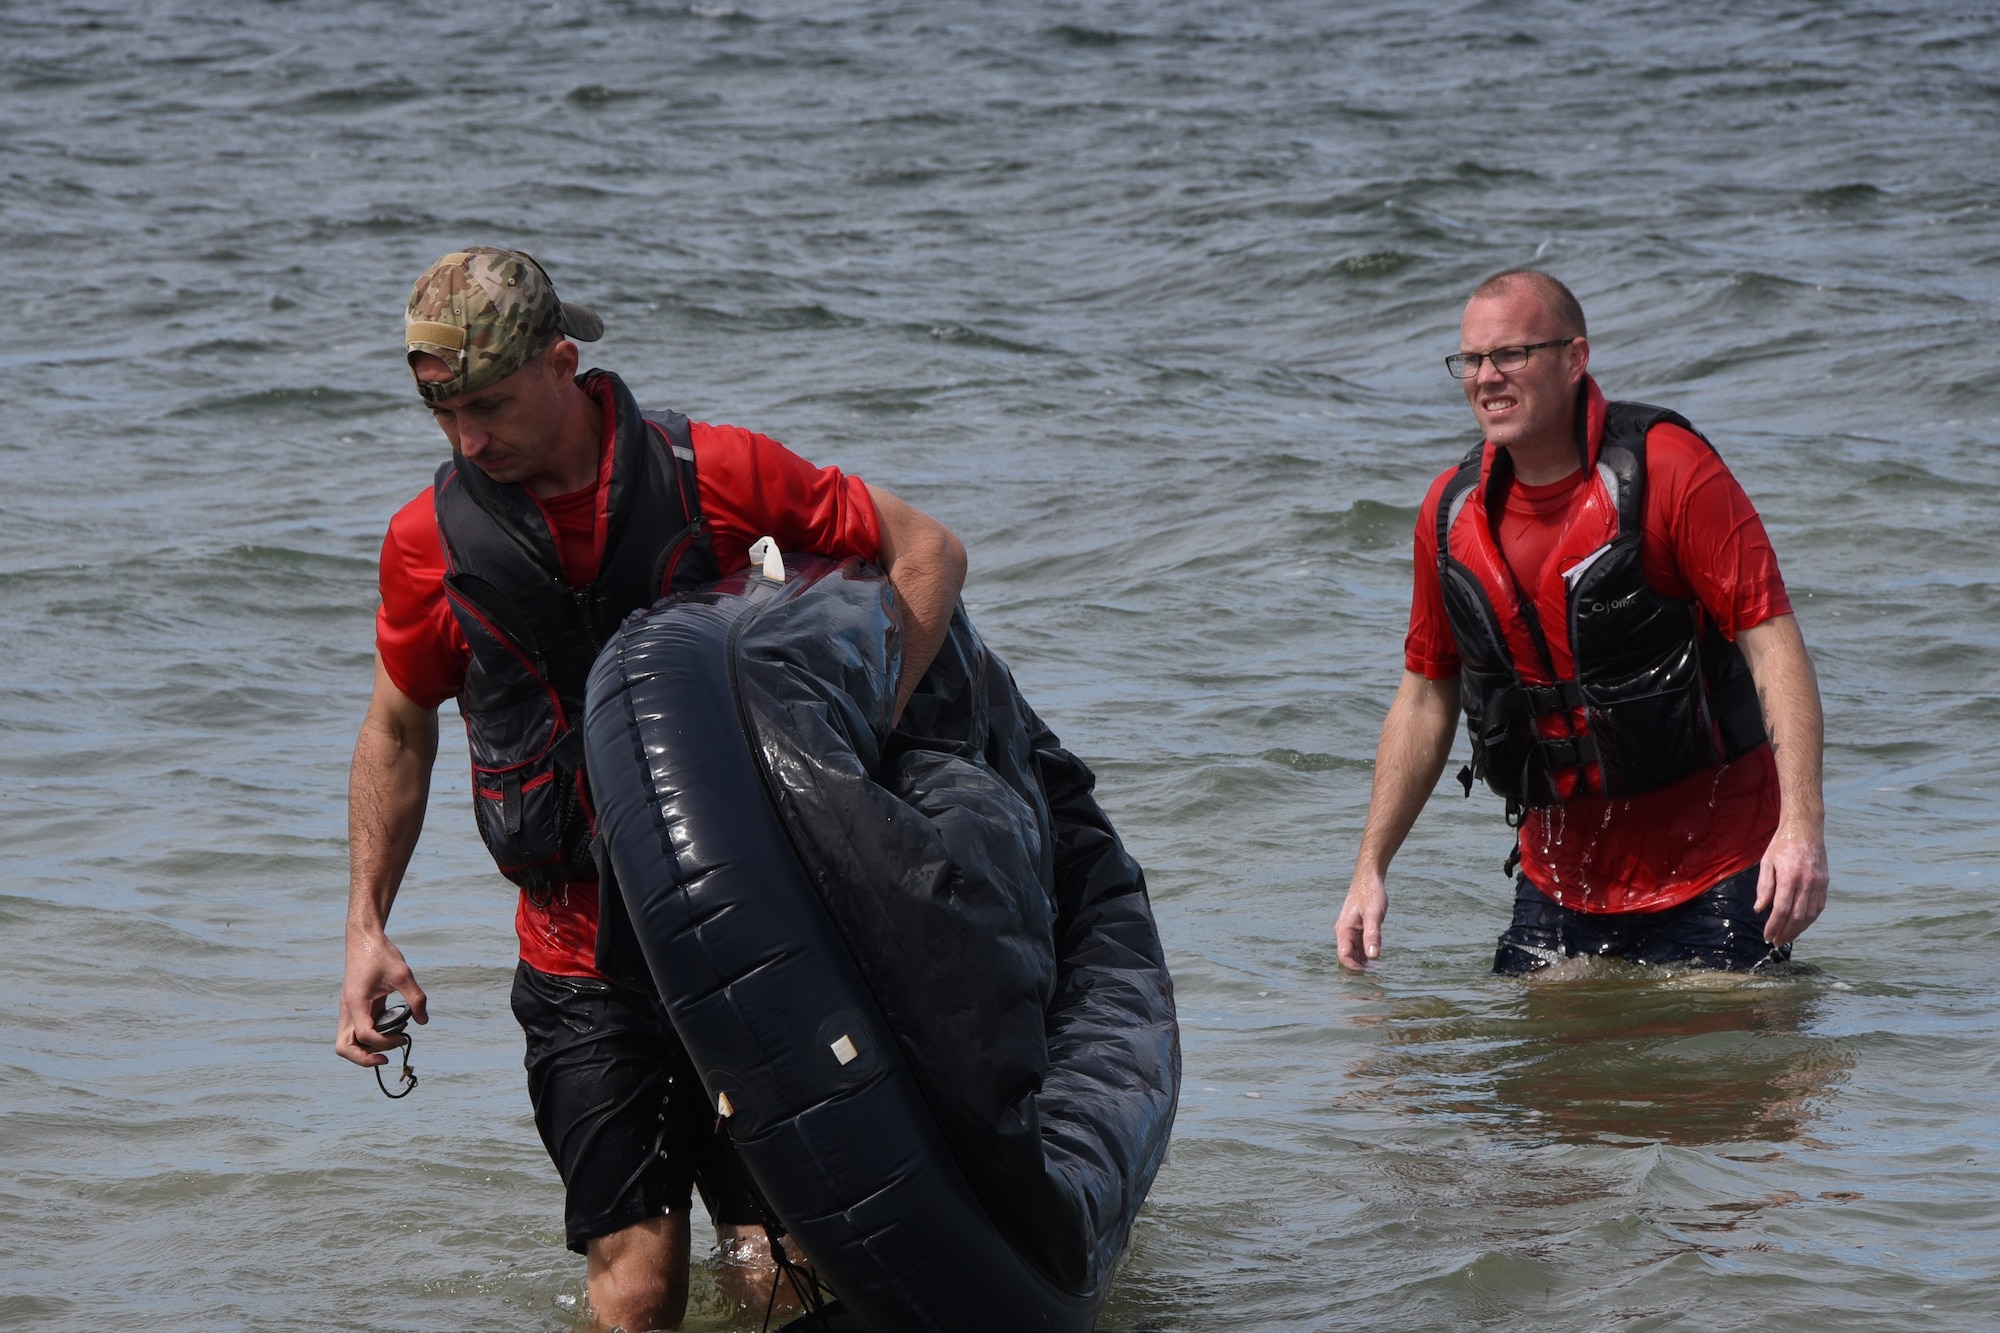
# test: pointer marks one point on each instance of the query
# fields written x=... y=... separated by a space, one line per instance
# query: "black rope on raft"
x=406 y=1079
x=813 y=1296
x=805 y=1284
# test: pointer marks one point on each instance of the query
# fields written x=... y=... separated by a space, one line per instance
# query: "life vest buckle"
x=1570 y=751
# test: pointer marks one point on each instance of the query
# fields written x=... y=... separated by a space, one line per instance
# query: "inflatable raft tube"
x=916 y=970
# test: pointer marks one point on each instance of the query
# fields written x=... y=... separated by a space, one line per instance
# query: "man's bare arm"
x=387 y=790
x=1416 y=741
x=1793 y=879
x=926 y=567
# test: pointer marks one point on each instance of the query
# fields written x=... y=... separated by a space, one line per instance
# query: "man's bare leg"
x=747 y=1271
x=638 y=1277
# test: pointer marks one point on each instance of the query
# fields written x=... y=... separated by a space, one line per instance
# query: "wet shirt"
x=1702 y=540
x=751 y=486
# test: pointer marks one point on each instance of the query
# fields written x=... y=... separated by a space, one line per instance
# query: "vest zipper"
x=586 y=612
x=675 y=550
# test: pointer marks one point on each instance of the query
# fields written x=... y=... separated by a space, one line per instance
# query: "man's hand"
x=1792 y=882
x=1792 y=878
x=375 y=967
x=926 y=568
x=1359 y=930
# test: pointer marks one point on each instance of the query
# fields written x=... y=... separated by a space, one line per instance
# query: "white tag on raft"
x=844 y=1051
x=722 y=1105
x=764 y=551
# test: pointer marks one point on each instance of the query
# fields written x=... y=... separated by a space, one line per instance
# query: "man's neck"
x=1543 y=468
x=576 y=460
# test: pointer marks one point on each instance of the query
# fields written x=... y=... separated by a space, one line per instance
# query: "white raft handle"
x=765 y=551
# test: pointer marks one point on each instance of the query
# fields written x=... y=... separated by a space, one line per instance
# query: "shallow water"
x=1147 y=302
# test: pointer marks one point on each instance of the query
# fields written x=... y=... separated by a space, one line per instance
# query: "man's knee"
x=638 y=1277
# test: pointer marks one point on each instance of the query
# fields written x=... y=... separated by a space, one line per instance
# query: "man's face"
x=510 y=430
x=1533 y=403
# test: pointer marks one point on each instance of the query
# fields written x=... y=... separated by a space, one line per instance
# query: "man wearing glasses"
x=1597 y=595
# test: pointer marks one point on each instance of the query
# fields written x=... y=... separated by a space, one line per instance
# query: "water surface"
x=1148 y=303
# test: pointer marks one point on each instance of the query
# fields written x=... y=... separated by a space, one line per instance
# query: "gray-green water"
x=1147 y=301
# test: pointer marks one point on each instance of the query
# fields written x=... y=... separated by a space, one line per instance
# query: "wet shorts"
x=620 y=1108
x=1716 y=929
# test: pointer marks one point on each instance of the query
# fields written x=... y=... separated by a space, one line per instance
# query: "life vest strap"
x=1535 y=701
x=1570 y=751
x=510 y=803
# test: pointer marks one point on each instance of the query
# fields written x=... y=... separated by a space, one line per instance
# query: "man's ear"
x=1579 y=357
x=561 y=360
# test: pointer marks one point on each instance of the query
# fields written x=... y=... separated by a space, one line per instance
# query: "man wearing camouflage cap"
x=562 y=508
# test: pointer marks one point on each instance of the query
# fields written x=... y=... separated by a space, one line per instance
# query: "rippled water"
x=1147 y=301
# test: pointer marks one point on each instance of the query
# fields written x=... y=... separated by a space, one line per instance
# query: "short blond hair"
x=1558 y=298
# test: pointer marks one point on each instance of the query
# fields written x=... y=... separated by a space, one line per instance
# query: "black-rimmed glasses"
x=1464 y=365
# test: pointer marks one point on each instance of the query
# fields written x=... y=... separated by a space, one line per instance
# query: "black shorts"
x=1716 y=929
x=621 y=1109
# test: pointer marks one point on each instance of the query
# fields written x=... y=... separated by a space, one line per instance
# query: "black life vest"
x=533 y=636
x=1594 y=683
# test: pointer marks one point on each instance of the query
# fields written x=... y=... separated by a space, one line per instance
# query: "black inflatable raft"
x=916 y=969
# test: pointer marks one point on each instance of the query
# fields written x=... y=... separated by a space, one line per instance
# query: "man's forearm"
x=927 y=596
x=1798 y=739
x=388 y=789
x=926 y=567
x=1416 y=742
x=1788 y=691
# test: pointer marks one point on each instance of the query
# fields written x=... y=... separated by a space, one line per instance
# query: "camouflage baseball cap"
x=486 y=313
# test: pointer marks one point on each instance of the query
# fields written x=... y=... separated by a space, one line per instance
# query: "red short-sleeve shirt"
x=1704 y=540
x=751 y=486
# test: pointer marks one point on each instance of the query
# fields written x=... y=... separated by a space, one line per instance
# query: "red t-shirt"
x=751 y=486
x=1702 y=539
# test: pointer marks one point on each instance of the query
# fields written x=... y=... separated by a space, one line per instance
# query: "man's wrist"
x=366 y=931
x=1809 y=824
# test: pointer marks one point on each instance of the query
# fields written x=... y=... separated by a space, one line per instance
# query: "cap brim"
x=580 y=322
